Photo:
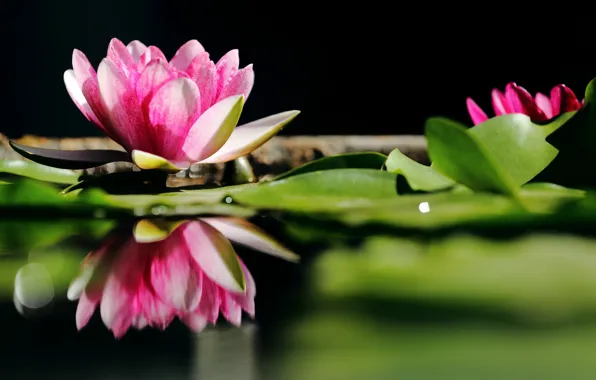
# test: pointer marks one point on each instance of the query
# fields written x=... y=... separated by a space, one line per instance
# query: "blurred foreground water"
x=460 y=306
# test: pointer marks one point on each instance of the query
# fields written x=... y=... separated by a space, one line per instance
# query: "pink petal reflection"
x=191 y=274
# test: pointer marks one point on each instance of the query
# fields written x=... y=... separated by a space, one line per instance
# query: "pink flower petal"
x=522 y=102
x=500 y=104
x=244 y=232
x=195 y=322
x=211 y=131
x=76 y=94
x=114 y=307
x=175 y=277
x=230 y=309
x=186 y=54
x=215 y=255
x=172 y=111
x=125 y=277
x=210 y=302
x=241 y=84
x=120 y=100
x=87 y=80
x=157 y=313
x=121 y=57
x=155 y=74
x=152 y=53
x=476 y=113
x=543 y=102
x=136 y=49
x=248 y=137
x=202 y=70
x=247 y=300
x=226 y=68
x=139 y=322
x=563 y=100
x=85 y=310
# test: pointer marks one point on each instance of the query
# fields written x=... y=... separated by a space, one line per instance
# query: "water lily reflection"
x=165 y=270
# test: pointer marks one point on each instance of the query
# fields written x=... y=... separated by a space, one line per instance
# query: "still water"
x=175 y=299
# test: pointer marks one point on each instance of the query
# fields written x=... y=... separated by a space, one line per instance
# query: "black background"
x=352 y=68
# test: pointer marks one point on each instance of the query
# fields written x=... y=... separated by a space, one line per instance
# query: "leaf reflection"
x=168 y=269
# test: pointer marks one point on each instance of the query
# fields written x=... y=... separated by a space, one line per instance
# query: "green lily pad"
x=419 y=177
x=364 y=160
x=322 y=190
x=518 y=145
x=463 y=157
x=27 y=196
x=39 y=172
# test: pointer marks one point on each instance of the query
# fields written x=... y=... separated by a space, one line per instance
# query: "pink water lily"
x=516 y=99
x=192 y=272
x=170 y=114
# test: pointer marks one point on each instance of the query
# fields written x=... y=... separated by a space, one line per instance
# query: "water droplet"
x=228 y=199
x=139 y=211
x=159 y=210
x=424 y=207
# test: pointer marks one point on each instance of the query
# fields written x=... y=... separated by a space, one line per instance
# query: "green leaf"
x=517 y=144
x=322 y=190
x=574 y=165
x=365 y=160
x=418 y=176
x=463 y=157
x=23 y=236
x=555 y=272
x=39 y=172
x=27 y=196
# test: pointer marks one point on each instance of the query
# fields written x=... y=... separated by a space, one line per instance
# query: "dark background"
x=358 y=68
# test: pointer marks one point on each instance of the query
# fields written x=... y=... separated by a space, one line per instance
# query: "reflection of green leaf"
x=61 y=264
x=518 y=145
x=463 y=157
x=39 y=172
x=543 y=278
x=22 y=236
x=365 y=160
x=574 y=165
x=418 y=176
x=429 y=351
